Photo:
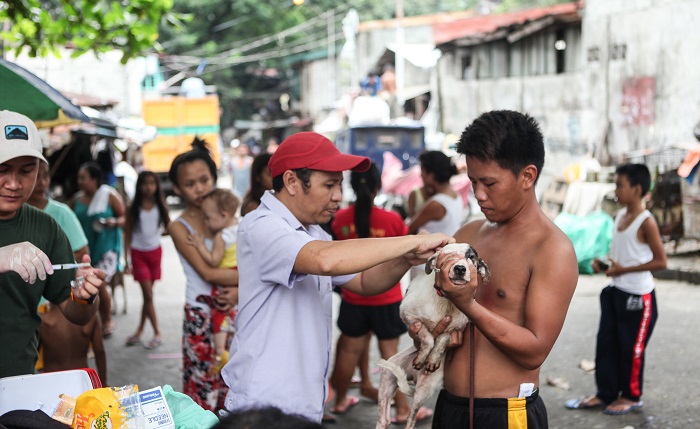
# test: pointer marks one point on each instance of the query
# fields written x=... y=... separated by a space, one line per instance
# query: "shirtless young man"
x=519 y=314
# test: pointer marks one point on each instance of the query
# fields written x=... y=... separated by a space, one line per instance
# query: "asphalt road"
x=672 y=388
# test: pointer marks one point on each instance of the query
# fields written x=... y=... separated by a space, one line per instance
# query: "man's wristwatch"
x=88 y=301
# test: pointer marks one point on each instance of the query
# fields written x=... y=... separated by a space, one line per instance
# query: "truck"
x=179 y=120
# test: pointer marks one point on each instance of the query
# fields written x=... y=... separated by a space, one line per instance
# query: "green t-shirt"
x=19 y=321
x=69 y=222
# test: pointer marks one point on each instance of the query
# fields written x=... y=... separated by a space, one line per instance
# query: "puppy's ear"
x=483 y=271
x=430 y=264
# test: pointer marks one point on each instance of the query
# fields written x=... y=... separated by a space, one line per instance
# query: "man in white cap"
x=30 y=242
x=288 y=267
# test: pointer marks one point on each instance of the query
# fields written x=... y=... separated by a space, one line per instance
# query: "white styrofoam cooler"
x=40 y=391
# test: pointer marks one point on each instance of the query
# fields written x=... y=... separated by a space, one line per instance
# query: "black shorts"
x=383 y=320
x=452 y=411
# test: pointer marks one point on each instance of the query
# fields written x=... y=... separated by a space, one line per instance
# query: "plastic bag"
x=591 y=236
x=187 y=414
x=108 y=408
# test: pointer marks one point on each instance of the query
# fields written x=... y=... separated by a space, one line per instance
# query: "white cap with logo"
x=18 y=137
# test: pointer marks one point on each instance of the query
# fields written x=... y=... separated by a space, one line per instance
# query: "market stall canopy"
x=23 y=92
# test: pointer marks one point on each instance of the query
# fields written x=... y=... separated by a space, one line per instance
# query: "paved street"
x=672 y=388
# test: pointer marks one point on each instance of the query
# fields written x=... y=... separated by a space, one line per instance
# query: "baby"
x=219 y=208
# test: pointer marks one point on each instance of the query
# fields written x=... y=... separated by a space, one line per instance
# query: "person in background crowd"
x=146 y=220
x=100 y=210
x=628 y=310
x=361 y=315
x=260 y=181
x=288 y=268
x=30 y=243
x=193 y=175
x=240 y=169
x=63 y=214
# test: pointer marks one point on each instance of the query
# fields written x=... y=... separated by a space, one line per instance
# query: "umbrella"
x=23 y=92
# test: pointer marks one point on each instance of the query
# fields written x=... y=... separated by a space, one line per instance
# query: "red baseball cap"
x=315 y=152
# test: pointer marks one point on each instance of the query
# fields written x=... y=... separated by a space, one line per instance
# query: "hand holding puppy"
x=426 y=247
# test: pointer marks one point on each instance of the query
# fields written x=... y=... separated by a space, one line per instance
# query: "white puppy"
x=424 y=303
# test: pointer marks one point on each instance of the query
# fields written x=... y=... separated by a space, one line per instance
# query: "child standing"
x=628 y=304
x=219 y=208
x=147 y=218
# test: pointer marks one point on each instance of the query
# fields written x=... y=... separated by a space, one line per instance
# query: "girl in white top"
x=147 y=218
x=442 y=212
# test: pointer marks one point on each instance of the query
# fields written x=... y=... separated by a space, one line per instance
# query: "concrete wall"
x=103 y=77
x=637 y=39
x=638 y=85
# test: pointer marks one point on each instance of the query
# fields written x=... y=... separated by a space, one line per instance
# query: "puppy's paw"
x=432 y=366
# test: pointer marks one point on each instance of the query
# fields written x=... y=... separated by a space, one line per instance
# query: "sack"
x=187 y=414
x=591 y=236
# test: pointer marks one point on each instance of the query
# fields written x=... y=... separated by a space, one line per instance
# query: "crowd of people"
x=262 y=261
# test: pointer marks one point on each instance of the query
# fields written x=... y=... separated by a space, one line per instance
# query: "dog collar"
x=437 y=289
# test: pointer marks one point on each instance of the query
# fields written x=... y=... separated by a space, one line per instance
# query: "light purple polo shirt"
x=280 y=354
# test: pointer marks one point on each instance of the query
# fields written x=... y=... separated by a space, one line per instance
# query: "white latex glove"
x=25 y=259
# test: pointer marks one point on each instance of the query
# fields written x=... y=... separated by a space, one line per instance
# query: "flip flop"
x=422 y=414
x=154 y=343
x=133 y=340
x=108 y=330
x=582 y=404
x=629 y=409
x=350 y=402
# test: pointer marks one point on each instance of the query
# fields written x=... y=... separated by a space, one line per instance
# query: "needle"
x=69 y=266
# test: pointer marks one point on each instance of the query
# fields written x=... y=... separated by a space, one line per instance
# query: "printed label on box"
x=156 y=413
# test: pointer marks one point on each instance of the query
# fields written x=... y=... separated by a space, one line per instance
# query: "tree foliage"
x=41 y=26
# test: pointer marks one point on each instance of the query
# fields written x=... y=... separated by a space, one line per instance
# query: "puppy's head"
x=459 y=273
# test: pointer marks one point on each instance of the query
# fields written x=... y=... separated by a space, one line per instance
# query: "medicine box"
x=156 y=413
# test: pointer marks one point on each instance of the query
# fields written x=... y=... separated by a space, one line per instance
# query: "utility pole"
x=398 y=56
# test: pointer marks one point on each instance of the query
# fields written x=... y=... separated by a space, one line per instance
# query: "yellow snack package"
x=99 y=409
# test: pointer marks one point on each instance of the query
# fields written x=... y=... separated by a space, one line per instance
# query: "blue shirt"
x=280 y=354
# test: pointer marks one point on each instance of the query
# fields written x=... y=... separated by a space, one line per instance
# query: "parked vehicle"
x=405 y=142
x=179 y=120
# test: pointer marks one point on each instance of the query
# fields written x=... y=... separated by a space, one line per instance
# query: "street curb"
x=679 y=274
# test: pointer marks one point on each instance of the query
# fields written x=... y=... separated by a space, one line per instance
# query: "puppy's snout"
x=460 y=270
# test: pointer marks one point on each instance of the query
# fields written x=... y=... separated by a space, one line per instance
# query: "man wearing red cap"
x=288 y=267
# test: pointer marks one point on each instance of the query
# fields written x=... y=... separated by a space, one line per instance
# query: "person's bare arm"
x=430 y=211
x=128 y=229
x=385 y=259
x=650 y=234
x=219 y=276
x=217 y=250
x=98 y=347
x=553 y=279
x=411 y=203
x=78 y=254
x=117 y=204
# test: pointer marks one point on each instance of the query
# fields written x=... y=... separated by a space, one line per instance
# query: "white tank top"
x=628 y=251
x=195 y=284
x=450 y=223
x=147 y=236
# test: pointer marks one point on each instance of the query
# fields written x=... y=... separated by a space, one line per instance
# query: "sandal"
x=422 y=414
x=108 y=330
x=154 y=343
x=133 y=340
x=585 y=403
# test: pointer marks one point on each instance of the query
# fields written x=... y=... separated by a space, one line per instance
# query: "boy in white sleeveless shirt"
x=628 y=304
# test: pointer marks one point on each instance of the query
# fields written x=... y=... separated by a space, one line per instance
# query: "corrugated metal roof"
x=414 y=21
x=483 y=26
